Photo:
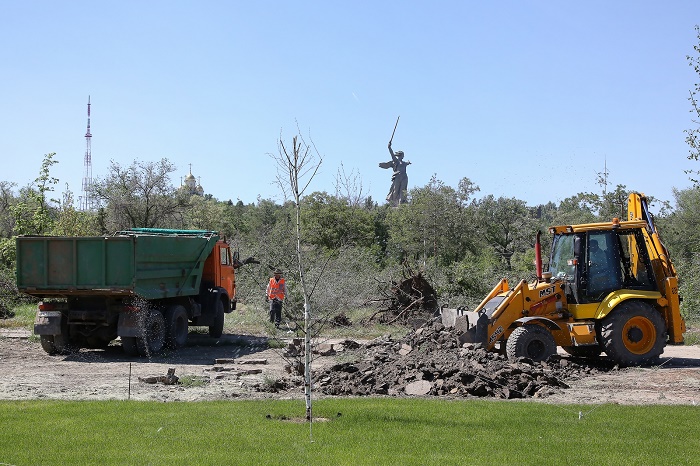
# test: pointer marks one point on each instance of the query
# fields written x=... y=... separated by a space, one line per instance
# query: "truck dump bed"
x=150 y=263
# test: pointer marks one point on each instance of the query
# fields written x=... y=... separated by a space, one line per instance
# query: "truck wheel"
x=591 y=351
x=57 y=344
x=129 y=346
x=176 y=321
x=217 y=328
x=531 y=341
x=61 y=342
x=634 y=333
x=47 y=344
x=153 y=340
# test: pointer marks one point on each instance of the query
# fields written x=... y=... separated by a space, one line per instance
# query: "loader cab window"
x=561 y=262
x=565 y=263
x=601 y=257
x=616 y=260
x=636 y=266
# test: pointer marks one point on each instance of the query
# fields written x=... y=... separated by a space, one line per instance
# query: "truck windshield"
x=561 y=261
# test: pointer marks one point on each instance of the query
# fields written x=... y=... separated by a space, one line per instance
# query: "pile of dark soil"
x=430 y=361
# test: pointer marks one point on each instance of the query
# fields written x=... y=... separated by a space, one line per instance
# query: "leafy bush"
x=689 y=285
x=10 y=298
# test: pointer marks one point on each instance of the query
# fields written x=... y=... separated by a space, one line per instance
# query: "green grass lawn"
x=355 y=432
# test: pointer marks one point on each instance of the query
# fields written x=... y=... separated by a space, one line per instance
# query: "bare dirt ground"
x=242 y=367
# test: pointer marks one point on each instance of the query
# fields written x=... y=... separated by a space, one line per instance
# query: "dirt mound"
x=430 y=361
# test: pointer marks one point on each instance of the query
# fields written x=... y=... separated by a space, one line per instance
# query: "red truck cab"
x=219 y=270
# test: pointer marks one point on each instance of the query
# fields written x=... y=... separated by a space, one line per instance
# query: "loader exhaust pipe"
x=538 y=256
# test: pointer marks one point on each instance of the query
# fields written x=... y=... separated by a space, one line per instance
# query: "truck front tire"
x=217 y=328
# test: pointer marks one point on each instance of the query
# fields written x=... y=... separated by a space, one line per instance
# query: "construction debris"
x=169 y=379
x=430 y=361
x=239 y=361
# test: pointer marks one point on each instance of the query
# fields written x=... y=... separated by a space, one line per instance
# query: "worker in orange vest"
x=276 y=290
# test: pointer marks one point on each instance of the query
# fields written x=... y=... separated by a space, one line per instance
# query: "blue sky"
x=527 y=99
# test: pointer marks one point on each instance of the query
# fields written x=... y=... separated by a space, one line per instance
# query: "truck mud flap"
x=130 y=324
x=472 y=326
x=47 y=323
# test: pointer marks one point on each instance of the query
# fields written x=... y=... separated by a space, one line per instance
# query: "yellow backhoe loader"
x=611 y=287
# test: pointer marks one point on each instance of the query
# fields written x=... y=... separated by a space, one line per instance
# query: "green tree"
x=72 y=222
x=680 y=232
x=437 y=224
x=507 y=225
x=205 y=214
x=574 y=210
x=33 y=215
x=139 y=196
x=693 y=134
x=681 y=229
x=7 y=200
x=331 y=223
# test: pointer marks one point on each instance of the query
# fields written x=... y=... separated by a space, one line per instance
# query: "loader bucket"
x=472 y=326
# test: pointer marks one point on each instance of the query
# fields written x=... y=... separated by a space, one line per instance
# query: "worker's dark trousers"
x=275 y=311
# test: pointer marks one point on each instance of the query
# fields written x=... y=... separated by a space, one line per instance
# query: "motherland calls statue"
x=399 y=179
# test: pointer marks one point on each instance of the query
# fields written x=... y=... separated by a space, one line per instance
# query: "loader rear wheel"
x=634 y=333
x=153 y=340
x=531 y=341
x=176 y=322
x=217 y=328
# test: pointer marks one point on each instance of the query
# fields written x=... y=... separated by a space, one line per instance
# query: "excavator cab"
x=595 y=263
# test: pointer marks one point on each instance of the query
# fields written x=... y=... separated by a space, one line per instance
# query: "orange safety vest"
x=276 y=289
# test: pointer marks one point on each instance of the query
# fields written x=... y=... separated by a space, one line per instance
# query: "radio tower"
x=86 y=203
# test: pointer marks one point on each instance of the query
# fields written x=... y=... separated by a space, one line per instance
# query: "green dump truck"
x=145 y=286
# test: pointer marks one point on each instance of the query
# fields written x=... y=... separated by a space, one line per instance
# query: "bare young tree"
x=297 y=165
x=348 y=186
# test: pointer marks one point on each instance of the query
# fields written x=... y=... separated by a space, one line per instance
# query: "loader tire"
x=176 y=322
x=532 y=342
x=153 y=340
x=217 y=328
x=633 y=334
